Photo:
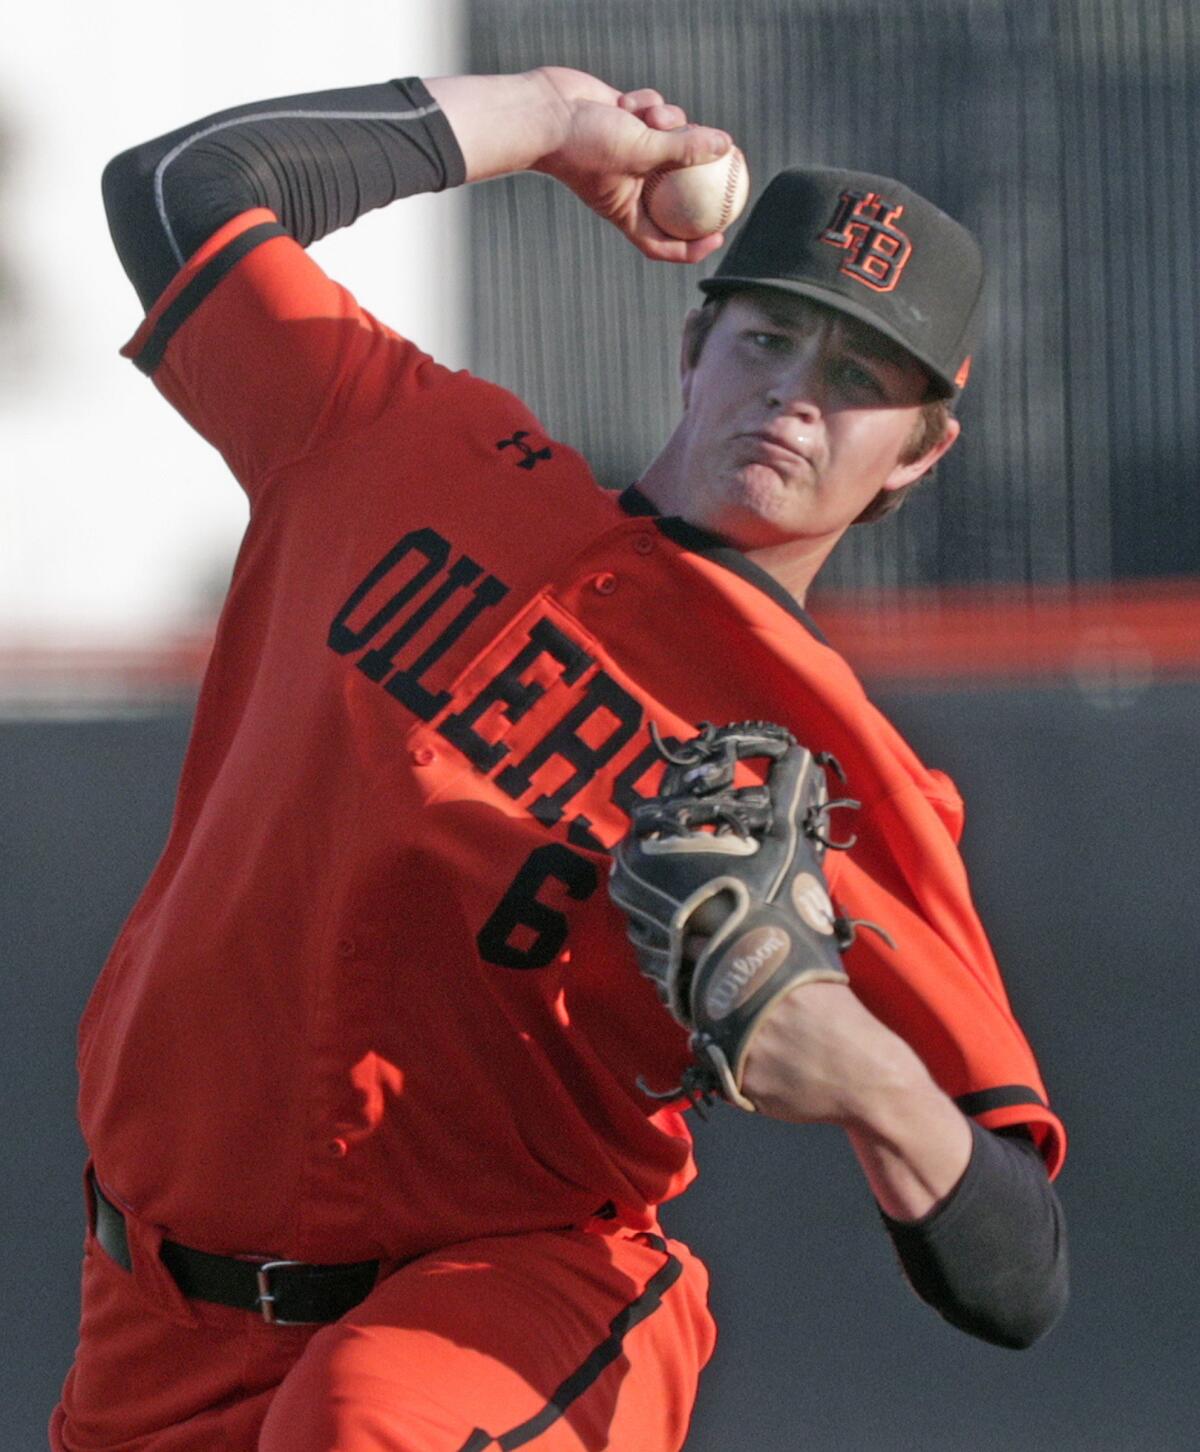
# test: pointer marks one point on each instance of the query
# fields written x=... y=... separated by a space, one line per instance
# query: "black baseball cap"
x=870 y=247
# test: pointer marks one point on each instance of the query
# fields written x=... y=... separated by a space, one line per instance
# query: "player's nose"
x=796 y=391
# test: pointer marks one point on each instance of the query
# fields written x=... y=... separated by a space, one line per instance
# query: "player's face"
x=795 y=418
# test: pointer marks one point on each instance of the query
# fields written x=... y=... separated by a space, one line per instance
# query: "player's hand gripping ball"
x=725 y=894
x=689 y=202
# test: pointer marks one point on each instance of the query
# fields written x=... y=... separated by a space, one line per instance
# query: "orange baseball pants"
x=574 y=1339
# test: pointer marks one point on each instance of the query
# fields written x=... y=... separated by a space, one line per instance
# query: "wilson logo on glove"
x=723 y=934
x=758 y=953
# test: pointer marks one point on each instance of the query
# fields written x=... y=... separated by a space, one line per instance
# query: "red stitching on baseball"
x=731 y=181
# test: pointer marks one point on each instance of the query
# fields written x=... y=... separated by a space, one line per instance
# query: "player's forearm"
x=822 y=1056
x=912 y=1142
x=973 y=1216
x=318 y=161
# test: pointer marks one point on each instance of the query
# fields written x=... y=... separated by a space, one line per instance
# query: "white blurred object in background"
x=118 y=525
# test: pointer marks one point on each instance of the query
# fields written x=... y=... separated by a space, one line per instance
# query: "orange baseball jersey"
x=374 y=990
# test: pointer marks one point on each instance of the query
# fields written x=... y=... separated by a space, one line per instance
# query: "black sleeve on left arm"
x=992 y=1259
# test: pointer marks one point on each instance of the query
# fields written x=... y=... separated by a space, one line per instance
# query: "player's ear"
x=689 y=351
x=909 y=472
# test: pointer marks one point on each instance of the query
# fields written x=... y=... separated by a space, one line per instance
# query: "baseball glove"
x=724 y=892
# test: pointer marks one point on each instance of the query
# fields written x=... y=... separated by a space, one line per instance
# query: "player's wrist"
x=506 y=123
x=567 y=149
x=553 y=111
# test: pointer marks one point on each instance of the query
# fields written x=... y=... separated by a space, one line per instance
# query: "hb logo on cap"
x=845 y=239
x=864 y=226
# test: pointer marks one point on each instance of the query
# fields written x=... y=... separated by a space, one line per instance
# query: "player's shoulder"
x=491 y=425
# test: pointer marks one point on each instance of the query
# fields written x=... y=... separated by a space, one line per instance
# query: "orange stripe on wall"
x=1146 y=628
x=1134 y=633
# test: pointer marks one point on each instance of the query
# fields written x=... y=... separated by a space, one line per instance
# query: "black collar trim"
x=713 y=547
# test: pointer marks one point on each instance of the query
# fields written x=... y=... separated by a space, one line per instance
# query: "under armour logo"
x=531 y=456
x=864 y=226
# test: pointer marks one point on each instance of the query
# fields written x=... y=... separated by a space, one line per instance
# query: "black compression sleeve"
x=993 y=1258
x=317 y=161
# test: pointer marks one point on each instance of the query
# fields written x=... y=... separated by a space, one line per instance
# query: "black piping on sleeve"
x=992 y=1259
x=318 y=161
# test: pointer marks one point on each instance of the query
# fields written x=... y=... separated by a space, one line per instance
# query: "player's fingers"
x=684 y=146
x=703 y=247
x=664 y=117
x=661 y=248
x=639 y=100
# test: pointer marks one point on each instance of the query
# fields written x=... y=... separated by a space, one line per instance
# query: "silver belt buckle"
x=266 y=1296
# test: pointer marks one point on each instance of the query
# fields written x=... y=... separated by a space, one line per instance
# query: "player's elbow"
x=1021 y=1335
x=1013 y=1310
x=993 y=1259
x=123 y=182
x=1015 y=1324
x=1002 y=1288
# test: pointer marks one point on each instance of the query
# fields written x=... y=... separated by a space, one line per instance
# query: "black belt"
x=283 y=1292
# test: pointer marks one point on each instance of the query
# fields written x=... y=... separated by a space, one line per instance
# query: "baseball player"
x=379 y=1106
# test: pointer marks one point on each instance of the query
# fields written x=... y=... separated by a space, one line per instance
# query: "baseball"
x=692 y=201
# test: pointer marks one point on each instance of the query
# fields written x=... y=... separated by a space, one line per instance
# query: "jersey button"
x=643 y=544
x=423 y=755
x=604 y=584
x=336 y=1149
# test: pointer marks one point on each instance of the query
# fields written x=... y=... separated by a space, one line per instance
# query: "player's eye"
x=768 y=342
x=847 y=373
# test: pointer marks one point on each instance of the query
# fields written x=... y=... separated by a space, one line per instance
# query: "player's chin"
x=762 y=506
x=771 y=485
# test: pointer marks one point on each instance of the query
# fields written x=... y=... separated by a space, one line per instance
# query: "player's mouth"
x=776 y=445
